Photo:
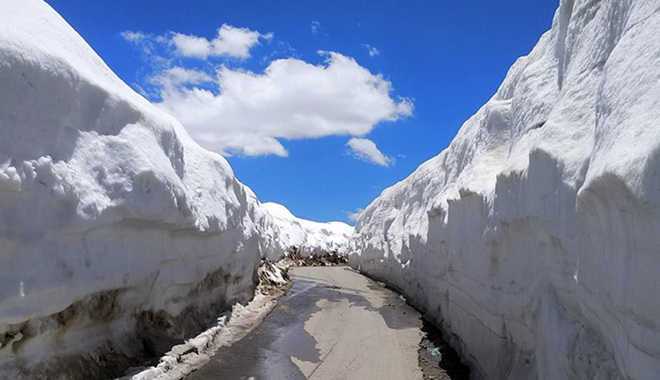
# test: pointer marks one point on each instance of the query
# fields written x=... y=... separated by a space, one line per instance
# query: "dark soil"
x=437 y=359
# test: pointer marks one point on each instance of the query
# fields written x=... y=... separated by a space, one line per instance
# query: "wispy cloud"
x=367 y=150
x=316 y=27
x=372 y=50
x=134 y=37
x=179 y=76
x=149 y=44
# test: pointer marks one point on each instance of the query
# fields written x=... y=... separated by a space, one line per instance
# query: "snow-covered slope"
x=534 y=237
x=309 y=237
x=118 y=233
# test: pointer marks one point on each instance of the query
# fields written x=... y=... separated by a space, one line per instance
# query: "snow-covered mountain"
x=119 y=235
x=308 y=236
x=534 y=237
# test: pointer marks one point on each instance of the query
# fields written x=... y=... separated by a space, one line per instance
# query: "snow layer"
x=119 y=235
x=533 y=238
x=309 y=237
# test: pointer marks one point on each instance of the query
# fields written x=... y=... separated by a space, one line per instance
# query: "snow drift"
x=309 y=237
x=119 y=235
x=533 y=238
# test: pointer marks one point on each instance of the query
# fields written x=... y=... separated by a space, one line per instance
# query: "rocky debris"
x=322 y=259
x=273 y=277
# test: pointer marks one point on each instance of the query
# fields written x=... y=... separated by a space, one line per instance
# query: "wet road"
x=333 y=324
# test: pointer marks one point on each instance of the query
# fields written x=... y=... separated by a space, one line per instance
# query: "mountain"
x=308 y=236
x=532 y=239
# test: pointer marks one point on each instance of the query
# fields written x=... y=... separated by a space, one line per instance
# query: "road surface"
x=333 y=324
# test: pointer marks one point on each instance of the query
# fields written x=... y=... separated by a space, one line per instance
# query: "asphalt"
x=333 y=324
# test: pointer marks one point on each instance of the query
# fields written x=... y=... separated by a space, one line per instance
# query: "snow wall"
x=534 y=238
x=119 y=235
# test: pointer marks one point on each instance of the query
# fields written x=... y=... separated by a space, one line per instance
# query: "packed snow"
x=533 y=238
x=119 y=235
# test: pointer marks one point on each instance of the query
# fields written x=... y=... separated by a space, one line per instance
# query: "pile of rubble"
x=273 y=277
x=321 y=259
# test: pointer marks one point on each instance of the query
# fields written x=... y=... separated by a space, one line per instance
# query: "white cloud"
x=179 y=76
x=373 y=51
x=133 y=37
x=367 y=150
x=316 y=27
x=191 y=46
x=291 y=99
x=152 y=47
x=230 y=42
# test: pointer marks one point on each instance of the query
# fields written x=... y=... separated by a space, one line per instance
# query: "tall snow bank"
x=533 y=238
x=309 y=237
x=118 y=234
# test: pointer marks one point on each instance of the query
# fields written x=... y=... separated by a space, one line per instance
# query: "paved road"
x=333 y=324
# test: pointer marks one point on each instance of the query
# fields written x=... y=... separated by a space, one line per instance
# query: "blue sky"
x=444 y=59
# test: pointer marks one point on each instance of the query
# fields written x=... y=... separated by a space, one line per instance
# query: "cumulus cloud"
x=230 y=42
x=292 y=99
x=372 y=50
x=234 y=111
x=366 y=150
